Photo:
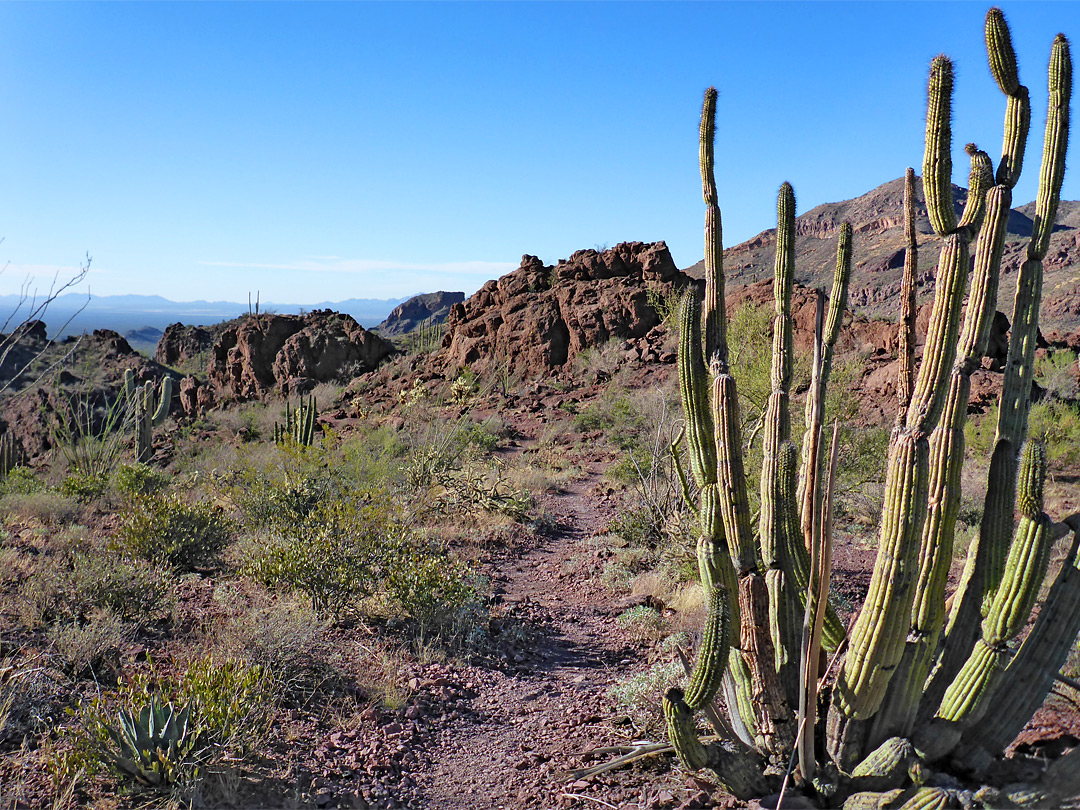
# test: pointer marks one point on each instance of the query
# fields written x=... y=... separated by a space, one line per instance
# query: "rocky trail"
x=531 y=722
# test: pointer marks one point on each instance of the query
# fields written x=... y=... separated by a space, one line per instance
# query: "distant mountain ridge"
x=126 y=313
x=877 y=219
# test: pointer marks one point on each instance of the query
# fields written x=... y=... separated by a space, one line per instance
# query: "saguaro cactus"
x=913 y=691
x=148 y=409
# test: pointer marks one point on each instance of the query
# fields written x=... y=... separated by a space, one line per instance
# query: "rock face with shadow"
x=431 y=307
x=290 y=354
x=539 y=317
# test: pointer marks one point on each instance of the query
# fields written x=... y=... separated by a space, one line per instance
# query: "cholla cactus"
x=913 y=692
x=148 y=409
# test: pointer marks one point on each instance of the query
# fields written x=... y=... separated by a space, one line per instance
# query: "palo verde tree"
x=907 y=721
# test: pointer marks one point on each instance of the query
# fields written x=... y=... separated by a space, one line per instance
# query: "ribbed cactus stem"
x=822 y=370
x=906 y=375
x=712 y=656
x=1029 y=676
x=937 y=159
x=693 y=387
x=980 y=179
x=1055 y=144
x=965 y=701
x=1000 y=52
x=715 y=317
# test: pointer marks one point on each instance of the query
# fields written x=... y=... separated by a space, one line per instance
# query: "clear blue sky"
x=322 y=151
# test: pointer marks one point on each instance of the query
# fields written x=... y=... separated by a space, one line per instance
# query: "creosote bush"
x=165 y=529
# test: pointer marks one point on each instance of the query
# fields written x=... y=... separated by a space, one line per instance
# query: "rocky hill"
x=877 y=218
x=406 y=317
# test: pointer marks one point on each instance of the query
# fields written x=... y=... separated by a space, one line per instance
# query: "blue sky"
x=323 y=151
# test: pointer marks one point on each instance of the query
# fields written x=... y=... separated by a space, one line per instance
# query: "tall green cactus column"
x=986 y=558
x=880 y=631
x=148 y=409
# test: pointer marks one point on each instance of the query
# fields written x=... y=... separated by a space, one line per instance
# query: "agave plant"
x=155 y=746
x=924 y=693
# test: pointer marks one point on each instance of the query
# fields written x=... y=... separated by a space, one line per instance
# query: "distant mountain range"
x=127 y=313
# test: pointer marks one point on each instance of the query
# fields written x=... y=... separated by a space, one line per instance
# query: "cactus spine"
x=148 y=410
x=916 y=683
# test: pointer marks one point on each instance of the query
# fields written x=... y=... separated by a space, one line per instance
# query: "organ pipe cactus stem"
x=965 y=701
x=937 y=159
x=712 y=656
x=715 y=318
x=815 y=401
x=906 y=351
x=982 y=576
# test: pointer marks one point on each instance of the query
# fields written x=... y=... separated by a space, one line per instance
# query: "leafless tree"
x=31 y=307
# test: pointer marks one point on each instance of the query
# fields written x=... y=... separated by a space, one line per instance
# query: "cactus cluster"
x=148 y=409
x=9 y=458
x=299 y=427
x=912 y=693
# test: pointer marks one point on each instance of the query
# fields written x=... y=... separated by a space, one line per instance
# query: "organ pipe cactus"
x=299 y=424
x=916 y=682
x=148 y=409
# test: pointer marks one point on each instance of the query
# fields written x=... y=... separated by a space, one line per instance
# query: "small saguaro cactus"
x=8 y=456
x=148 y=410
x=299 y=424
x=919 y=689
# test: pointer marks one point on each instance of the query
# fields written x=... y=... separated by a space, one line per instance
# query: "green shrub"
x=139 y=479
x=338 y=556
x=435 y=592
x=979 y=433
x=225 y=706
x=643 y=622
x=83 y=487
x=165 y=529
x=71 y=587
x=20 y=481
x=1057 y=423
x=1057 y=372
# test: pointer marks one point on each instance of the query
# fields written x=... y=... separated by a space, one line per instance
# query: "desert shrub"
x=49 y=508
x=165 y=529
x=643 y=622
x=280 y=490
x=227 y=716
x=638 y=695
x=1057 y=423
x=337 y=557
x=82 y=646
x=435 y=592
x=21 y=481
x=979 y=433
x=139 y=479
x=1058 y=374
x=90 y=434
x=75 y=585
x=376 y=456
x=287 y=639
x=83 y=487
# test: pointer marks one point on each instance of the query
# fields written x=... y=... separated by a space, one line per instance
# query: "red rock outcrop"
x=540 y=316
x=291 y=353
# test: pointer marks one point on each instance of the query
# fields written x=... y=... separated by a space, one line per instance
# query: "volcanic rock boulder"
x=406 y=317
x=181 y=344
x=291 y=353
x=539 y=317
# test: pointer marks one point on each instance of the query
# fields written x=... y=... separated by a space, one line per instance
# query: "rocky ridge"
x=878 y=261
x=432 y=307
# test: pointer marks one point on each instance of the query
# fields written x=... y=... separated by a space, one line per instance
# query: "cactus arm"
x=1055 y=143
x=906 y=351
x=1029 y=676
x=937 y=158
x=739 y=772
x=164 y=403
x=1002 y=59
x=964 y=702
x=980 y=179
x=715 y=317
x=693 y=388
x=712 y=656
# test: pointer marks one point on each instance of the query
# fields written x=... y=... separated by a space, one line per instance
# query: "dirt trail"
x=548 y=704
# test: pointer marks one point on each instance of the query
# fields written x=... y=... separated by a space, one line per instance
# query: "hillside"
x=877 y=218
